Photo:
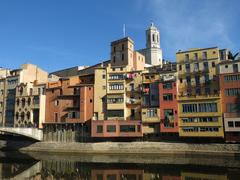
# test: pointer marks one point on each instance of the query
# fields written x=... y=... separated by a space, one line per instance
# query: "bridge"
x=33 y=133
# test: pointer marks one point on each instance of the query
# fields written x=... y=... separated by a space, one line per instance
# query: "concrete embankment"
x=145 y=148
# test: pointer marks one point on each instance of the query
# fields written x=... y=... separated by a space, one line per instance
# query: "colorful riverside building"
x=168 y=104
x=26 y=75
x=230 y=93
x=117 y=102
x=69 y=109
x=199 y=103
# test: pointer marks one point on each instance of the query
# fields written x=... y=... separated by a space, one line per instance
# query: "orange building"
x=230 y=94
x=69 y=107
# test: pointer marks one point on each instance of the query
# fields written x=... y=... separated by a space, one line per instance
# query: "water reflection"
x=19 y=166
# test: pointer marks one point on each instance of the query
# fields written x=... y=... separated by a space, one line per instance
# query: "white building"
x=153 y=51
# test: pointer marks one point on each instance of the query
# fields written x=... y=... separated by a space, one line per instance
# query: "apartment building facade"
x=28 y=73
x=230 y=94
x=150 y=103
x=69 y=109
x=168 y=104
x=199 y=104
x=30 y=105
x=117 y=103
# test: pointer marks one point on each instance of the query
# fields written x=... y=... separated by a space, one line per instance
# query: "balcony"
x=153 y=117
x=132 y=101
x=68 y=96
x=185 y=97
x=133 y=89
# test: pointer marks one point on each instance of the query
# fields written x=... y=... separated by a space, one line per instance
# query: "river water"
x=36 y=166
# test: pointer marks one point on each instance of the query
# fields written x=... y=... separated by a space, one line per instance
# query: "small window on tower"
x=122 y=46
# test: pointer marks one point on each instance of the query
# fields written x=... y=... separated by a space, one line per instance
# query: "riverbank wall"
x=147 y=148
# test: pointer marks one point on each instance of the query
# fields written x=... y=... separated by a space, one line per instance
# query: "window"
x=114 y=49
x=232 y=92
x=207 y=107
x=116 y=76
x=122 y=57
x=168 y=118
x=99 y=129
x=237 y=124
x=114 y=59
x=180 y=80
x=230 y=124
x=151 y=112
x=226 y=66
x=205 y=66
x=56 y=103
x=196 y=67
x=31 y=91
x=235 y=68
x=114 y=100
x=206 y=77
x=167 y=97
x=195 y=56
x=122 y=46
x=197 y=79
x=90 y=100
x=233 y=108
x=180 y=67
x=116 y=87
x=186 y=57
x=111 y=128
x=230 y=78
x=127 y=128
x=115 y=113
x=187 y=67
x=167 y=86
x=198 y=91
x=56 y=117
x=103 y=76
x=188 y=78
x=213 y=64
x=204 y=55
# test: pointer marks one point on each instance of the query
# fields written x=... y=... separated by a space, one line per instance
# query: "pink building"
x=168 y=105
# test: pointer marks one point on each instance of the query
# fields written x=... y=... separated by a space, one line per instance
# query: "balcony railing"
x=133 y=101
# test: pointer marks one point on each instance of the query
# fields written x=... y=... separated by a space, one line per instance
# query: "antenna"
x=124 y=30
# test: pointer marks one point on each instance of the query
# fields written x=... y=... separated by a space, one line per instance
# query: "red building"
x=230 y=95
x=168 y=105
x=69 y=109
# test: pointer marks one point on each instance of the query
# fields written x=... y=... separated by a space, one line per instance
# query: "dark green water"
x=14 y=165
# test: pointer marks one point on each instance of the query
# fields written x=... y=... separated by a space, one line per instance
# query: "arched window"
x=22 y=116
x=23 y=102
x=20 y=90
x=18 y=101
x=29 y=101
x=17 y=115
x=153 y=37
x=28 y=115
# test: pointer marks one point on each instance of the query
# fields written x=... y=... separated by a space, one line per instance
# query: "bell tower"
x=152 y=37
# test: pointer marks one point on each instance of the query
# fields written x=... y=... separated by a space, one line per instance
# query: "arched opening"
x=28 y=115
x=17 y=115
x=29 y=101
x=23 y=102
x=18 y=101
x=22 y=116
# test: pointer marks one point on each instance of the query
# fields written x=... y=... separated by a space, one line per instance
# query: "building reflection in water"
x=51 y=169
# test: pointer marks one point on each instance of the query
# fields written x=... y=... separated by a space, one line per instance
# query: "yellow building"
x=200 y=113
x=118 y=91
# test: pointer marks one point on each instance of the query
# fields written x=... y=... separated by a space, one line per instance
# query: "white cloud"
x=188 y=24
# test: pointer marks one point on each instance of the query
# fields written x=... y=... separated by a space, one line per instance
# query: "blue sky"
x=56 y=34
